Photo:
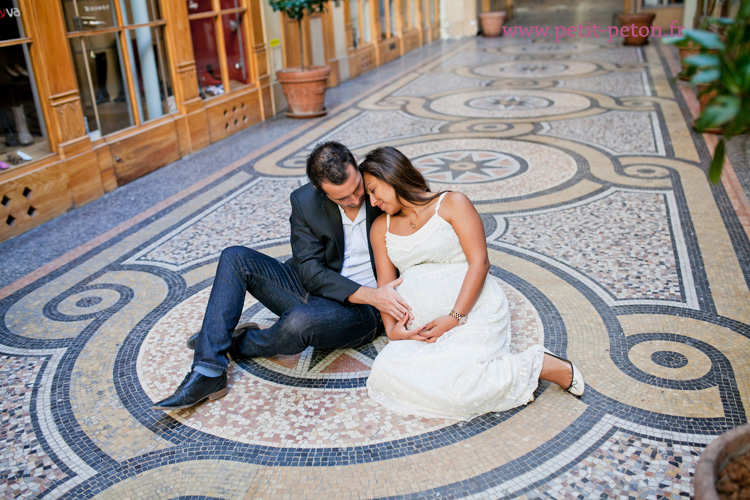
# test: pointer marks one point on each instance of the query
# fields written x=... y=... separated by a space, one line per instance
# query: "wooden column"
x=59 y=90
x=348 y=26
x=259 y=58
x=192 y=126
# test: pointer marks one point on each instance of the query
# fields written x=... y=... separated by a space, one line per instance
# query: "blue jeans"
x=304 y=320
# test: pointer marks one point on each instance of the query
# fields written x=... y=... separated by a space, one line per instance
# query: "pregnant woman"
x=452 y=359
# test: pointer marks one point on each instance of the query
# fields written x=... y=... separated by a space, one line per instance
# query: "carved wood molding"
x=68 y=116
x=186 y=66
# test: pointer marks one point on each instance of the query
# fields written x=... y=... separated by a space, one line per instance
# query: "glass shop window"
x=406 y=19
x=120 y=61
x=387 y=19
x=23 y=135
x=393 y=21
x=220 y=45
x=361 y=19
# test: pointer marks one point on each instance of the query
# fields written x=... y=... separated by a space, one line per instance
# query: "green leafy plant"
x=722 y=69
x=296 y=10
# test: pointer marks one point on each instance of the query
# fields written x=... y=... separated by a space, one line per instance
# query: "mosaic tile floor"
x=611 y=245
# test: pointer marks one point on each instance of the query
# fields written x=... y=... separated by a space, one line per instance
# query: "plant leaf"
x=705 y=39
x=677 y=40
x=703 y=60
x=717 y=164
x=743 y=69
x=720 y=110
x=720 y=20
x=744 y=11
x=706 y=76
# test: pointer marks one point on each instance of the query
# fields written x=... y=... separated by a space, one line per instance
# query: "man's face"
x=350 y=194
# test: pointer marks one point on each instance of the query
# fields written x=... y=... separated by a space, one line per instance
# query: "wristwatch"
x=461 y=318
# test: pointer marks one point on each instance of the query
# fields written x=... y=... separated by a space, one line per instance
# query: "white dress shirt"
x=357 y=266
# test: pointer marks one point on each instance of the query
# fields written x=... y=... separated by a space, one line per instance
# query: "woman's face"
x=382 y=195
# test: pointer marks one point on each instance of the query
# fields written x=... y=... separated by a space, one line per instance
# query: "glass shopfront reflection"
x=23 y=135
x=120 y=61
x=219 y=45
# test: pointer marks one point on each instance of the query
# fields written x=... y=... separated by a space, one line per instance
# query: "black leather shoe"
x=241 y=328
x=194 y=389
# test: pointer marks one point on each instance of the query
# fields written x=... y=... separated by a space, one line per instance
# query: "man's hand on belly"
x=385 y=299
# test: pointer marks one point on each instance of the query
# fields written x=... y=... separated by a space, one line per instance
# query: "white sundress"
x=469 y=370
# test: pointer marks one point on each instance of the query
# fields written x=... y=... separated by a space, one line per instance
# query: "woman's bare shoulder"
x=378 y=225
x=456 y=201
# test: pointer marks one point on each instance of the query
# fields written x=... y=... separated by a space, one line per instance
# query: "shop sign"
x=94 y=8
x=14 y=12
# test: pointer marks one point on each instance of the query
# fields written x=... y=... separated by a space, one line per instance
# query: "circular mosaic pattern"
x=88 y=302
x=520 y=103
x=646 y=171
x=314 y=399
x=490 y=169
x=544 y=48
x=669 y=359
x=664 y=359
x=508 y=102
x=489 y=127
x=297 y=161
x=468 y=166
x=536 y=69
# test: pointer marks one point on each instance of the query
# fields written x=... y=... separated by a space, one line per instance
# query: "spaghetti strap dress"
x=469 y=370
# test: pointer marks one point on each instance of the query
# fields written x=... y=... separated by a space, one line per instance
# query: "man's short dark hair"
x=328 y=163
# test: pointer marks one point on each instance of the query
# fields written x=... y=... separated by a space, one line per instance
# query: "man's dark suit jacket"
x=318 y=243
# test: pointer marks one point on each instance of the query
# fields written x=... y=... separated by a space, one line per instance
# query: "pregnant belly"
x=431 y=290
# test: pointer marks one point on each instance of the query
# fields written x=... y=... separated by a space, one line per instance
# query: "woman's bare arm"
x=458 y=210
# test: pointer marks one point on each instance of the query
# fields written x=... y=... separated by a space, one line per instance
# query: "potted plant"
x=722 y=69
x=492 y=21
x=635 y=21
x=714 y=478
x=303 y=87
x=687 y=48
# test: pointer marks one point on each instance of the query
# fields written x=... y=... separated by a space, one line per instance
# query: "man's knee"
x=236 y=253
x=296 y=322
x=240 y=258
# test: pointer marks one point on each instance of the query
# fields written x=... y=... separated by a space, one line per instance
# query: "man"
x=325 y=297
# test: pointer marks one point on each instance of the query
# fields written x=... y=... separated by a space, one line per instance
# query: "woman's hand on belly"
x=399 y=331
x=437 y=327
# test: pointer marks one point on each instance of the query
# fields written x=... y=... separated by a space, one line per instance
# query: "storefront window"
x=383 y=16
x=356 y=27
x=360 y=15
x=219 y=45
x=366 y=22
x=120 y=61
x=405 y=14
x=392 y=12
x=23 y=136
x=388 y=23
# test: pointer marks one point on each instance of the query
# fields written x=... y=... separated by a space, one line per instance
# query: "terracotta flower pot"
x=492 y=22
x=304 y=90
x=715 y=457
x=704 y=99
x=635 y=23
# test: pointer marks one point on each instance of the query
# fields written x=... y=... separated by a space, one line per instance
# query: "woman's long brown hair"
x=392 y=167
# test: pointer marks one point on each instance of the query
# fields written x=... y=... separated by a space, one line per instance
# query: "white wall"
x=458 y=18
